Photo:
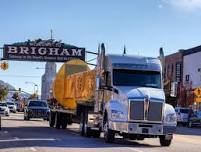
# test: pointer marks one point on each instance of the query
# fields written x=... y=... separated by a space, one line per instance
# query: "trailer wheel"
x=51 y=119
x=82 y=123
x=84 y=129
x=164 y=142
x=87 y=131
x=57 y=120
x=109 y=134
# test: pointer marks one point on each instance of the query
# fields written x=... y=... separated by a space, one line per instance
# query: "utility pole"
x=51 y=34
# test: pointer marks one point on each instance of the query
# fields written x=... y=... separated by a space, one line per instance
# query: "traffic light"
x=4 y=66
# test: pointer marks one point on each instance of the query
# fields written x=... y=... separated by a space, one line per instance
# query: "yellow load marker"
x=74 y=82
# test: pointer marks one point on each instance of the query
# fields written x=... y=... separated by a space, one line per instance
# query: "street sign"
x=197 y=93
x=42 y=50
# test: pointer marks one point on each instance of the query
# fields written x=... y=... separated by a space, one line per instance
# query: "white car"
x=182 y=115
x=11 y=106
x=4 y=110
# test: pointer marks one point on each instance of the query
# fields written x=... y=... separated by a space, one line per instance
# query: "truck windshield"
x=122 y=77
x=37 y=104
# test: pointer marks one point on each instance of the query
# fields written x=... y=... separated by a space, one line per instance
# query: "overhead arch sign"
x=42 y=52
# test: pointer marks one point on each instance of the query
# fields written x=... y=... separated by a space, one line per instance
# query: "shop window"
x=187 y=77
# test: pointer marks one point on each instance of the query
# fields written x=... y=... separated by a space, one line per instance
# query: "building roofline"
x=192 y=50
x=185 y=52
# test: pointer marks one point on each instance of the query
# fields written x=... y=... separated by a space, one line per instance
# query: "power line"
x=91 y=60
x=20 y=76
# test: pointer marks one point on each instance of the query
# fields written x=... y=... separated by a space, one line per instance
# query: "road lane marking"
x=16 y=138
x=32 y=149
x=28 y=139
x=5 y=132
x=136 y=150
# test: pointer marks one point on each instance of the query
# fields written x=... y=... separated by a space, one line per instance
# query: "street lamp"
x=35 y=85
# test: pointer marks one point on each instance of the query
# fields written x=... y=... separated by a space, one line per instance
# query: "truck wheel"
x=57 y=120
x=64 y=121
x=164 y=142
x=51 y=119
x=108 y=133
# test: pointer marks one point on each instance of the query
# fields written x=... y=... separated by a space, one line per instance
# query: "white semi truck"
x=123 y=95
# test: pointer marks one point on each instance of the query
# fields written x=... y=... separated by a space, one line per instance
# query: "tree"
x=3 y=93
x=16 y=96
x=33 y=96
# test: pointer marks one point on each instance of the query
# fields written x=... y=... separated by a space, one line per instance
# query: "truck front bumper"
x=141 y=128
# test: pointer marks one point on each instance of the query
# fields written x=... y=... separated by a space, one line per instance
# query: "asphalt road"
x=35 y=135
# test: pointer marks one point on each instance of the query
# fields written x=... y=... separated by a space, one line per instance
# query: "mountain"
x=7 y=85
x=12 y=90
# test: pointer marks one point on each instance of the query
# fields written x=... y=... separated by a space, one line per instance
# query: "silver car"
x=4 y=110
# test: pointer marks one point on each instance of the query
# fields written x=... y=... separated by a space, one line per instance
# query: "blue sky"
x=142 y=25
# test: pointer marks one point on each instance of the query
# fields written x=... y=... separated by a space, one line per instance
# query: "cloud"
x=186 y=5
x=160 y=6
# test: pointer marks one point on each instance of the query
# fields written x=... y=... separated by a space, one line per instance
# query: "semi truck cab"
x=133 y=100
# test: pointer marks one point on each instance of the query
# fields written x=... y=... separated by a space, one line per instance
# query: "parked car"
x=195 y=120
x=11 y=105
x=36 y=109
x=182 y=115
x=4 y=110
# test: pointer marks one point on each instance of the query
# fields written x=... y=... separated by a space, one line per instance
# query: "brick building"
x=173 y=67
x=173 y=75
x=183 y=69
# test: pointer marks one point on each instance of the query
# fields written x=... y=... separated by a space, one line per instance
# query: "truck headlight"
x=171 y=118
x=117 y=114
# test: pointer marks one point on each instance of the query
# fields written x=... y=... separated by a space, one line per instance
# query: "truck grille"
x=141 y=111
x=38 y=112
